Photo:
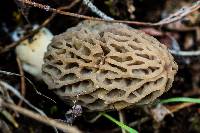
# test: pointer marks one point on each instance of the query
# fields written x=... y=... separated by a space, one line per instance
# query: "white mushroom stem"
x=31 y=52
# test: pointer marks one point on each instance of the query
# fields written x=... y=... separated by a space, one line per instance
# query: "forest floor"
x=181 y=35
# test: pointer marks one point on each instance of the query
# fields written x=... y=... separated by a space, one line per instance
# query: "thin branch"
x=30 y=82
x=22 y=83
x=46 y=22
x=172 y=18
x=44 y=119
x=14 y=44
x=185 y=53
x=140 y=121
x=16 y=93
x=95 y=118
x=178 y=107
x=95 y=10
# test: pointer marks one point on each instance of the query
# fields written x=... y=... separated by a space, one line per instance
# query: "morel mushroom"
x=106 y=66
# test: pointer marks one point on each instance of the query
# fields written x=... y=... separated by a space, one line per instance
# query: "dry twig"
x=16 y=93
x=14 y=44
x=44 y=119
x=94 y=9
x=122 y=119
x=185 y=53
x=172 y=18
x=22 y=83
x=34 y=87
x=178 y=107
x=94 y=119
x=46 y=22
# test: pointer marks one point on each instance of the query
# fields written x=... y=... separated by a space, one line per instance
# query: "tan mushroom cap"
x=107 y=66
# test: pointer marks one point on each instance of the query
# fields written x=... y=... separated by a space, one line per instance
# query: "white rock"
x=31 y=52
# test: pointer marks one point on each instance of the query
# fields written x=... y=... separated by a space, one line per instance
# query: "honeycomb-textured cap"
x=107 y=66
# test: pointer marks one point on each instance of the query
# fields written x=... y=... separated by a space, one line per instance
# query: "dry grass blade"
x=22 y=84
x=177 y=107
